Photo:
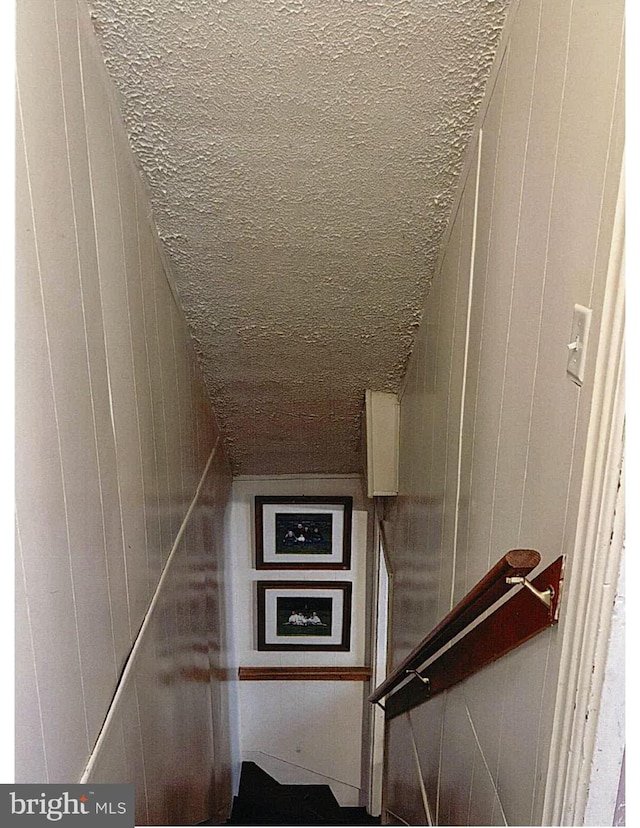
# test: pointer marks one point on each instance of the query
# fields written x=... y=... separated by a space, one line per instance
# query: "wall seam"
x=484 y=306
x=516 y=245
x=416 y=755
x=607 y=158
x=85 y=332
x=433 y=430
x=545 y=270
x=440 y=752
x=162 y=396
x=33 y=654
x=494 y=782
x=514 y=271
x=178 y=395
x=133 y=362
x=148 y=367
x=541 y=708
x=142 y=756
x=465 y=363
x=470 y=797
x=104 y=336
x=454 y=327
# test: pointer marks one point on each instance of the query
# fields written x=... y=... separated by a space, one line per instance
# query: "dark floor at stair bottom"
x=263 y=801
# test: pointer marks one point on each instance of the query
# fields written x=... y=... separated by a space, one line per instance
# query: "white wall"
x=114 y=431
x=299 y=731
x=493 y=432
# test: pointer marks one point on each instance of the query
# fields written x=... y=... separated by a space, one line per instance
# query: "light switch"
x=578 y=343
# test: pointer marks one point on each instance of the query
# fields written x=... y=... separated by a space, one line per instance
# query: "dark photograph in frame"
x=303 y=532
x=304 y=615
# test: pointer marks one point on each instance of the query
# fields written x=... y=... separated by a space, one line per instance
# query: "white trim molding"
x=596 y=563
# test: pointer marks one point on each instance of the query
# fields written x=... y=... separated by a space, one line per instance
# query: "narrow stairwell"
x=263 y=801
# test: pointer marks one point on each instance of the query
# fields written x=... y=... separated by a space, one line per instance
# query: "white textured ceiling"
x=301 y=157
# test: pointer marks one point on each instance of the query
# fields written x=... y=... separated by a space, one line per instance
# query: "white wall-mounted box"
x=382 y=423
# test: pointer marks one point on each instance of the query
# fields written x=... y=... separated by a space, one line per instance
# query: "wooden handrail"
x=517 y=562
x=514 y=622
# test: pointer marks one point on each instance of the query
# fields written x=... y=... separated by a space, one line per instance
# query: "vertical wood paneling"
x=136 y=538
x=531 y=266
x=114 y=431
x=498 y=295
x=461 y=348
x=428 y=722
x=456 y=765
x=30 y=757
x=514 y=362
x=455 y=271
x=40 y=476
x=167 y=406
x=131 y=729
x=183 y=390
x=484 y=698
x=571 y=253
x=481 y=322
x=175 y=393
x=545 y=214
x=101 y=449
x=402 y=795
x=133 y=304
x=522 y=731
x=112 y=296
x=146 y=417
x=159 y=437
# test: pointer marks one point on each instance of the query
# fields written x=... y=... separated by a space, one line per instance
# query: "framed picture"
x=304 y=615
x=303 y=532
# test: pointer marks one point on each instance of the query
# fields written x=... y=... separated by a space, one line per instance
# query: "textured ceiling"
x=301 y=157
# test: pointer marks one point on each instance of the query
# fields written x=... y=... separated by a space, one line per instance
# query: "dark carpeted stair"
x=263 y=801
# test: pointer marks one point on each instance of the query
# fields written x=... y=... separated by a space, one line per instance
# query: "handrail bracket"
x=423 y=679
x=546 y=596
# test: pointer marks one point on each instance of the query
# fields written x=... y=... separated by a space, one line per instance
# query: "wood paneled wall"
x=114 y=431
x=493 y=431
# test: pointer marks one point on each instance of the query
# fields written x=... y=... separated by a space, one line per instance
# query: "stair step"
x=318 y=798
x=262 y=800
x=254 y=779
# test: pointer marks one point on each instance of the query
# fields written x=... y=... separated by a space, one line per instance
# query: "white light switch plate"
x=578 y=343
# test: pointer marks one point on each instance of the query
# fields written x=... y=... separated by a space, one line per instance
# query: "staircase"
x=263 y=801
